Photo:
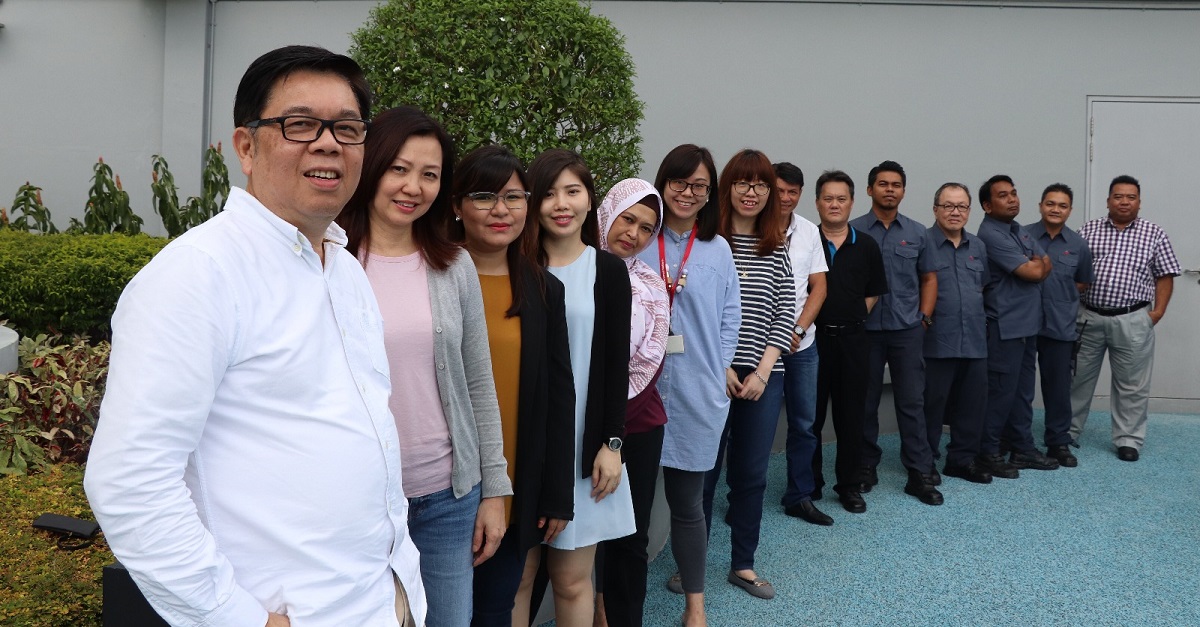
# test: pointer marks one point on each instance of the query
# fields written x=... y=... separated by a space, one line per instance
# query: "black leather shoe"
x=934 y=477
x=921 y=486
x=852 y=501
x=971 y=472
x=1034 y=460
x=870 y=478
x=806 y=511
x=995 y=465
x=1127 y=454
x=1062 y=453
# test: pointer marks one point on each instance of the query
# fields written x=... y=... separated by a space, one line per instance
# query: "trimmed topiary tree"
x=528 y=74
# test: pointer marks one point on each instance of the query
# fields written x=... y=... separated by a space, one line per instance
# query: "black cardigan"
x=544 y=484
x=608 y=378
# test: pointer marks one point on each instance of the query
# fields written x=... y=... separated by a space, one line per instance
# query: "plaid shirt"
x=1126 y=262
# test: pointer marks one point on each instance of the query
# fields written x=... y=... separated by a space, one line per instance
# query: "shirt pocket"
x=975 y=273
x=905 y=264
x=1061 y=284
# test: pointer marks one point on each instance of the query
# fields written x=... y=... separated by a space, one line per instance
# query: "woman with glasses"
x=751 y=221
x=697 y=268
x=530 y=363
x=598 y=298
x=629 y=219
x=444 y=405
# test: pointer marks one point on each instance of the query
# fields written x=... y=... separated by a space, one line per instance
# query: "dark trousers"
x=903 y=352
x=1054 y=362
x=621 y=563
x=1012 y=366
x=496 y=582
x=689 y=535
x=956 y=395
x=841 y=380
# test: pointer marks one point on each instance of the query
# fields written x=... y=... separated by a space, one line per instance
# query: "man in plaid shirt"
x=1134 y=274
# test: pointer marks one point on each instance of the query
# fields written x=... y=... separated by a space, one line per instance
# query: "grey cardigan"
x=464 y=376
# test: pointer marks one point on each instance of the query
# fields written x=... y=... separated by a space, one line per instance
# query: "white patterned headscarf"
x=651 y=310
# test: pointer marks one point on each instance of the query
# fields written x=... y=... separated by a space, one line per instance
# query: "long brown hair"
x=752 y=165
x=388 y=133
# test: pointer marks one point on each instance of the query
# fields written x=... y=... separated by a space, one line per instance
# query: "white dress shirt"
x=804 y=249
x=245 y=459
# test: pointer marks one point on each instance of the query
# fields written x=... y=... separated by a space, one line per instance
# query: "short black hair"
x=255 y=87
x=680 y=163
x=985 y=190
x=1061 y=188
x=1124 y=179
x=835 y=176
x=937 y=196
x=887 y=166
x=789 y=173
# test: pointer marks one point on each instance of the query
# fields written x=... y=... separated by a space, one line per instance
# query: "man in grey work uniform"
x=1135 y=272
x=1012 y=299
x=896 y=331
x=1072 y=272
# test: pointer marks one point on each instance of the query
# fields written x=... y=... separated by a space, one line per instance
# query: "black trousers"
x=621 y=563
x=1054 y=364
x=842 y=381
x=956 y=395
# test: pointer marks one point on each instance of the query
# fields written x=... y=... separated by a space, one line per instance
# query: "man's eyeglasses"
x=954 y=208
x=303 y=128
x=741 y=187
x=486 y=201
x=698 y=189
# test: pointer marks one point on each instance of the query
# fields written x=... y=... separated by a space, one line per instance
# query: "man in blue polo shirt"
x=1071 y=274
x=956 y=344
x=896 y=331
x=1012 y=299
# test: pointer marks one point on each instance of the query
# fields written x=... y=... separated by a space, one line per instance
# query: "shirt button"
x=441 y=366
x=343 y=331
x=438 y=329
x=362 y=388
x=296 y=248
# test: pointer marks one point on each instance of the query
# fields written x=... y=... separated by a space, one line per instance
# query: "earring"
x=457 y=218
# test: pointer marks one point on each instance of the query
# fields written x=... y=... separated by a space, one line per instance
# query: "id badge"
x=674 y=344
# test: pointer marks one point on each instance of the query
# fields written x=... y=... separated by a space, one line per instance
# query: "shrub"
x=34 y=215
x=51 y=402
x=67 y=283
x=529 y=74
x=214 y=183
x=44 y=586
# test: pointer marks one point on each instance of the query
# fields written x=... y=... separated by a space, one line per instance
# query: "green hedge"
x=43 y=585
x=70 y=283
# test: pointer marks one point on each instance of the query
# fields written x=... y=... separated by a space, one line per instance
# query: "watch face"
x=615 y=444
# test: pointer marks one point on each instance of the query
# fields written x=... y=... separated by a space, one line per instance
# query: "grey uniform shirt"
x=1015 y=305
x=1071 y=263
x=959 y=325
x=903 y=247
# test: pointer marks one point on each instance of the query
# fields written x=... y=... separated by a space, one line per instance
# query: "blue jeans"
x=443 y=528
x=748 y=435
x=800 y=399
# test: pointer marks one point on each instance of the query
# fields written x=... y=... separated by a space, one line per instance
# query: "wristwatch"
x=928 y=320
x=801 y=331
x=615 y=444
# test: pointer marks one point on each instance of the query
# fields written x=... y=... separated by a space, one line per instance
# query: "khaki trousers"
x=1129 y=341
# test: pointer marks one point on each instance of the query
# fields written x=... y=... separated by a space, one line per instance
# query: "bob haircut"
x=488 y=169
x=543 y=172
x=752 y=165
x=390 y=130
x=680 y=163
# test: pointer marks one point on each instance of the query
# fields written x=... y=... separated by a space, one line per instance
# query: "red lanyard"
x=672 y=288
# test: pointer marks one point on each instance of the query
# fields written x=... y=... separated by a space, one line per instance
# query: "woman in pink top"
x=444 y=397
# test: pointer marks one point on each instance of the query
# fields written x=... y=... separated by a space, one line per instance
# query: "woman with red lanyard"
x=697 y=266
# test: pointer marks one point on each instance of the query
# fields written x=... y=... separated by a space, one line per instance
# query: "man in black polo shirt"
x=855 y=281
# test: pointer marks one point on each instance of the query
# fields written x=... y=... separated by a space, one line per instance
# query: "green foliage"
x=197 y=209
x=108 y=209
x=166 y=196
x=44 y=586
x=51 y=402
x=69 y=283
x=529 y=74
x=34 y=215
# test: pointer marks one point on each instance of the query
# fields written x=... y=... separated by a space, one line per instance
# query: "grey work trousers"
x=1129 y=341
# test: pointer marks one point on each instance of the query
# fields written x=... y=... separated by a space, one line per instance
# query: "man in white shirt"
x=800 y=366
x=246 y=469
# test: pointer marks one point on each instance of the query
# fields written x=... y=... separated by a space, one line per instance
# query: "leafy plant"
x=197 y=209
x=166 y=197
x=529 y=74
x=53 y=400
x=34 y=215
x=108 y=209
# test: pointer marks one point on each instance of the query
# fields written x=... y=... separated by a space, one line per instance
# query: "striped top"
x=768 y=301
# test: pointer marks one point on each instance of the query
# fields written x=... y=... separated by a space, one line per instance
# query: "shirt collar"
x=1110 y=224
x=289 y=235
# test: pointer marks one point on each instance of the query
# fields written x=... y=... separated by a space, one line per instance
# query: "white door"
x=1157 y=141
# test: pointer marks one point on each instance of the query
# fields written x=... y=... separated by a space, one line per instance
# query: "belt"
x=1118 y=311
x=840 y=329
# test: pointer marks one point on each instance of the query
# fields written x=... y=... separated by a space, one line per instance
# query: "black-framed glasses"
x=954 y=208
x=303 y=128
x=486 y=201
x=698 y=189
x=741 y=187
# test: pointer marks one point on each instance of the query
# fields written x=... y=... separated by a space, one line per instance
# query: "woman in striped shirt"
x=751 y=221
